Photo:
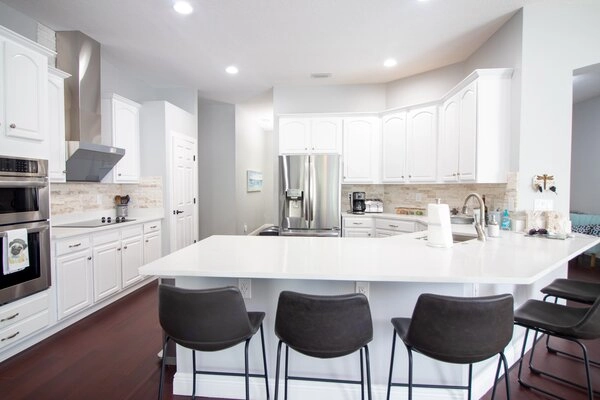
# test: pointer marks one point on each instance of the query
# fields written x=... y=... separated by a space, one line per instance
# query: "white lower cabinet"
x=74 y=275
x=94 y=267
x=132 y=255
x=23 y=317
x=152 y=241
x=358 y=227
x=107 y=264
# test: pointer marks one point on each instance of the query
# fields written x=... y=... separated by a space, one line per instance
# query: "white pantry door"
x=183 y=190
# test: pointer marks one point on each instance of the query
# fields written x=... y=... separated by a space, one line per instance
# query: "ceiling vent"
x=320 y=75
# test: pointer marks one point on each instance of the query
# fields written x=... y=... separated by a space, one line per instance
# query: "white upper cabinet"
x=475 y=129
x=121 y=128
x=361 y=150
x=56 y=125
x=409 y=145
x=310 y=135
x=23 y=96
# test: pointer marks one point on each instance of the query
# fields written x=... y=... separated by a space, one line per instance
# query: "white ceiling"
x=276 y=42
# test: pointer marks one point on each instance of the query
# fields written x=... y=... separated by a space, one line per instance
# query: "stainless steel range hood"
x=87 y=158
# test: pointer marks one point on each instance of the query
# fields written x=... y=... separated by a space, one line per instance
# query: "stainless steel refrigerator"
x=309 y=195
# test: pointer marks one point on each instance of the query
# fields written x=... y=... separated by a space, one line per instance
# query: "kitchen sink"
x=461 y=219
x=456 y=237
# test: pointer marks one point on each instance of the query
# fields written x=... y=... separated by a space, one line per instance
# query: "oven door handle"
x=29 y=230
x=43 y=182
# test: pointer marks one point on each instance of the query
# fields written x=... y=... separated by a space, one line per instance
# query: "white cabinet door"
x=107 y=269
x=310 y=135
x=121 y=128
x=131 y=259
x=467 y=141
x=326 y=135
x=449 y=139
x=421 y=146
x=74 y=282
x=152 y=247
x=294 y=135
x=361 y=150
x=25 y=86
x=56 y=126
x=393 y=147
x=351 y=232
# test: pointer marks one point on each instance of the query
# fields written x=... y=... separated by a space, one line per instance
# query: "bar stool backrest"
x=461 y=330
x=324 y=326
x=204 y=320
x=589 y=326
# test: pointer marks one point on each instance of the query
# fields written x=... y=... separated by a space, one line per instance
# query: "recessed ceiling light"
x=232 y=69
x=183 y=7
x=390 y=62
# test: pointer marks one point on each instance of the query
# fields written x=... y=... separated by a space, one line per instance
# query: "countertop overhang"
x=512 y=258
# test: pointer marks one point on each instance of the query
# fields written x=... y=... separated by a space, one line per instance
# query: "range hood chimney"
x=88 y=159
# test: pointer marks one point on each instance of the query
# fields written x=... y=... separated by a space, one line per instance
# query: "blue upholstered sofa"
x=588 y=224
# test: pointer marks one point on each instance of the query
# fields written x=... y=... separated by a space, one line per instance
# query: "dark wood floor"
x=112 y=354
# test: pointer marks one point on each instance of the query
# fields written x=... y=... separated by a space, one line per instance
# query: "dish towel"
x=16 y=252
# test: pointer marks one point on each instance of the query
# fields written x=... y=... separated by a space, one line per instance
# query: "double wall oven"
x=24 y=227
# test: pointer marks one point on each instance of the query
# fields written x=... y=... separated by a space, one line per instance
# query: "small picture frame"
x=254 y=181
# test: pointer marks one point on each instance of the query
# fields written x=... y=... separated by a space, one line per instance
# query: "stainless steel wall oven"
x=24 y=227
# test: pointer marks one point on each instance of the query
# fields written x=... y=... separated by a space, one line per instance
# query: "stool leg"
x=506 y=375
x=362 y=376
x=194 y=374
x=262 y=340
x=522 y=356
x=410 y=372
x=162 y=368
x=470 y=380
x=287 y=357
x=496 y=377
x=277 y=369
x=389 y=388
x=246 y=377
x=368 y=372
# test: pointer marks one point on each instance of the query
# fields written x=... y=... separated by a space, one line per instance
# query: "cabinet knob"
x=125 y=247
x=454 y=174
x=89 y=258
x=410 y=176
x=119 y=174
x=147 y=241
x=119 y=249
x=13 y=126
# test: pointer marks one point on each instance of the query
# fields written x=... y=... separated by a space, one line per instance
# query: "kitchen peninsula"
x=398 y=270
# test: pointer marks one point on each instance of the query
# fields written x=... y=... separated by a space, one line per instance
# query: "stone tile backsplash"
x=74 y=197
x=497 y=196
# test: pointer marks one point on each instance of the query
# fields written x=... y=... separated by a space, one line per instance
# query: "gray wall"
x=585 y=179
x=18 y=22
x=216 y=168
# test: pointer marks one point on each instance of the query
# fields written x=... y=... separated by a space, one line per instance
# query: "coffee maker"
x=358 y=203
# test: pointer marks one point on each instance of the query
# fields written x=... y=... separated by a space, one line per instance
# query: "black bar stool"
x=209 y=320
x=323 y=327
x=572 y=290
x=569 y=323
x=458 y=330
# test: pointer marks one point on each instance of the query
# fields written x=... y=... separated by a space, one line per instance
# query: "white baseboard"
x=233 y=387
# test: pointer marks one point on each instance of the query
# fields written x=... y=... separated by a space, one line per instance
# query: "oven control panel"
x=15 y=166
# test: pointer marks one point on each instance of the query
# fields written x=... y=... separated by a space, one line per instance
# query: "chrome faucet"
x=479 y=227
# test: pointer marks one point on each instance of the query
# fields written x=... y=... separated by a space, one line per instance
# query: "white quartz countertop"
x=512 y=258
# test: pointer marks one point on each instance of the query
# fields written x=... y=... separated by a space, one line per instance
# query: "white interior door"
x=183 y=192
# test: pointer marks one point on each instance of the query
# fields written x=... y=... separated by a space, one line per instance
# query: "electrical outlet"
x=362 y=287
x=245 y=286
x=418 y=196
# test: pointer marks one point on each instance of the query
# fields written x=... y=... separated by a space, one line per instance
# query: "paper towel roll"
x=439 y=228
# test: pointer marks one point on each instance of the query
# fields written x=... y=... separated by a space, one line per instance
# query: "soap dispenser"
x=493 y=228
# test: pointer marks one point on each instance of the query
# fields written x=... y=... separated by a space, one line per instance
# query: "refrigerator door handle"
x=313 y=192
x=307 y=193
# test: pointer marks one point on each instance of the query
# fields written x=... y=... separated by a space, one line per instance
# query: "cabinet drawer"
x=131 y=231
x=22 y=309
x=358 y=222
x=106 y=237
x=65 y=246
x=16 y=332
x=395 y=225
x=153 y=226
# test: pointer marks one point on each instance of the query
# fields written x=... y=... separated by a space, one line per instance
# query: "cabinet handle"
x=153 y=227
x=393 y=226
x=74 y=245
x=9 y=318
x=357 y=223
x=10 y=337
x=13 y=126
